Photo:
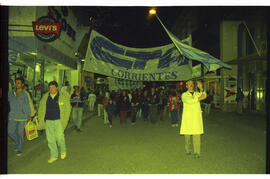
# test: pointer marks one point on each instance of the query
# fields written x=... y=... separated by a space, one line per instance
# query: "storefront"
x=42 y=46
x=253 y=81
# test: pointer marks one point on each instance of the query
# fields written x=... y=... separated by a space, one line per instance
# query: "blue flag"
x=192 y=53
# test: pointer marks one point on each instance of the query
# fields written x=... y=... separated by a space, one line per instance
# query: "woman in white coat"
x=192 y=123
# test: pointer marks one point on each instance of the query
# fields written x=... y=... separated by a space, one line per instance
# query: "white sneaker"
x=176 y=125
x=173 y=125
x=63 y=155
x=51 y=160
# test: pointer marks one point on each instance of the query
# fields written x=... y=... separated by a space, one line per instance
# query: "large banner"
x=118 y=83
x=163 y=63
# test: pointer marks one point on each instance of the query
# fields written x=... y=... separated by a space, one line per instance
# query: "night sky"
x=129 y=26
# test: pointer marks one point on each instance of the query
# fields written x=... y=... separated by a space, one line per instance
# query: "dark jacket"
x=110 y=109
x=154 y=98
x=74 y=99
x=124 y=103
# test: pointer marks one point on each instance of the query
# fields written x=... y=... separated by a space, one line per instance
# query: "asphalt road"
x=231 y=144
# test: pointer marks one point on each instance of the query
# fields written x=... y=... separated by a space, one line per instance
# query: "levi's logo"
x=47 y=29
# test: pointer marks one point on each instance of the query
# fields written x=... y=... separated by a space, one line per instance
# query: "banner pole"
x=169 y=34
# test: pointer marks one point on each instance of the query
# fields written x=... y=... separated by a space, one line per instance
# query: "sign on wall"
x=230 y=89
x=46 y=29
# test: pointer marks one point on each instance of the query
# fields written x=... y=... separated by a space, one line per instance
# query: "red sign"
x=46 y=28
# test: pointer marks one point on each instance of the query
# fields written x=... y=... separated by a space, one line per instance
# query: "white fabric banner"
x=162 y=63
x=118 y=83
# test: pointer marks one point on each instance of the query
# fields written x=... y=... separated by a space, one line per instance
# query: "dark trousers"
x=153 y=113
x=110 y=118
x=133 y=115
x=145 y=112
x=123 y=116
x=161 y=112
x=174 y=115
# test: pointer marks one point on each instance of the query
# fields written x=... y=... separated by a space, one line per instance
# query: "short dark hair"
x=20 y=78
x=53 y=83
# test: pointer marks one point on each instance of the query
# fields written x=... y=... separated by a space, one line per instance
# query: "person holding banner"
x=192 y=124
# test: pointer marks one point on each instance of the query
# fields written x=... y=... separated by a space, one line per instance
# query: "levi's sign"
x=47 y=29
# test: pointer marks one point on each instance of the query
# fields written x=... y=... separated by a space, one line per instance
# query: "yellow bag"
x=31 y=130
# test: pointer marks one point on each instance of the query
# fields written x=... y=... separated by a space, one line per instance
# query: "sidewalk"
x=40 y=142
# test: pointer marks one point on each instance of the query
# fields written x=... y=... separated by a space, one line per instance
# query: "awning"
x=248 y=58
x=32 y=44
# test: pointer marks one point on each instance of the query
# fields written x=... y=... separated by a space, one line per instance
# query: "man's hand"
x=200 y=85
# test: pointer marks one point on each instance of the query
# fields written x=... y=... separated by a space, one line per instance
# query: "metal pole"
x=252 y=39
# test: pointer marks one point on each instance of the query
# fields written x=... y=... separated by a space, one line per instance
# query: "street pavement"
x=231 y=144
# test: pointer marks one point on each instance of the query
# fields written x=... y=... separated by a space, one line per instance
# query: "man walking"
x=192 y=123
x=18 y=115
x=77 y=103
x=153 y=105
x=54 y=109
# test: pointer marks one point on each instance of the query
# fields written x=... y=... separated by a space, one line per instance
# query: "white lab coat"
x=192 y=122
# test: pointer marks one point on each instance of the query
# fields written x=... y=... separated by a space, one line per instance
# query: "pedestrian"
x=100 y=104
x=192 y=124
x=54 y=110
x=19 y=113
x=133 y=110
x=77 y=103
x=92 y=99
x=239 y=99
x=110 y=109
x=153 y=102
x=173 y=108
x=144 y=104
x=123 y=106
x=105 y=103
x=163 y=99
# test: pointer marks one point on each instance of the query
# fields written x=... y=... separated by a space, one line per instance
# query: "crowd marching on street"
x=57 y=107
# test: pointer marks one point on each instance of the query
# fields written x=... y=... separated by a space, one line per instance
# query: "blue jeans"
x=174 y=115
x=77 y=116
x=55 y=135
x=16 y=132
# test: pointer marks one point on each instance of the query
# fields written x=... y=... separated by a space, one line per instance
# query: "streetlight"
x=152 y=11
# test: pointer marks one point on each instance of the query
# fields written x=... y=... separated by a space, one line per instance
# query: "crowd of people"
x=56 y=107
x=151 y=105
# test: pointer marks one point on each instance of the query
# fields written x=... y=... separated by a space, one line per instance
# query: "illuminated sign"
x=46 y=29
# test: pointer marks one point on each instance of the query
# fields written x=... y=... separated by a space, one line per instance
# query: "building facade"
x=37 y=53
